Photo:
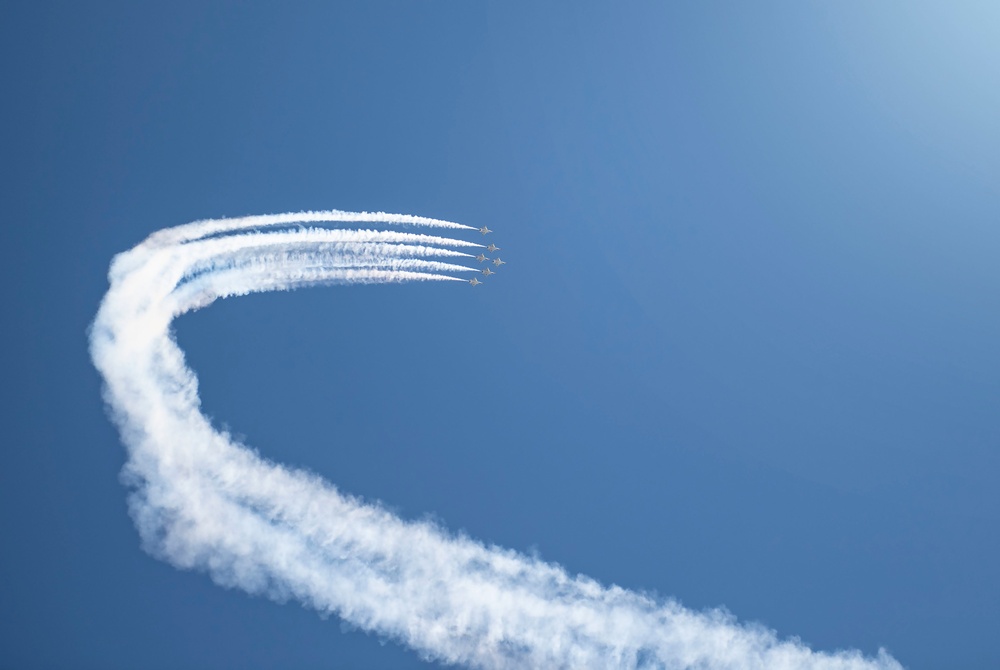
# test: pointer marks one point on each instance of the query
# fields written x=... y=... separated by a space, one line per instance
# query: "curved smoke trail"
x=203 y=501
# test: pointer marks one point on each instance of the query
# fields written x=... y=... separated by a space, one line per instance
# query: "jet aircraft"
x=481 y=258
x=497 y=262
x=485 y=230
x=488 y=272
x=475 y=282
x=492 y=247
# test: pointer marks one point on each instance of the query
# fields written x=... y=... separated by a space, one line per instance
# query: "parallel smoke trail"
x=203 y=501
x=206 y=227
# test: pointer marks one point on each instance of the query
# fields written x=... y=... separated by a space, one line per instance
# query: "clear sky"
x=744 y=351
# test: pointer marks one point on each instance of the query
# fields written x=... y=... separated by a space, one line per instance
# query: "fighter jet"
x=497 y=262
x=475 y=282
x=488 y=272
x=485 y=230
x=492 y=248
x=481 y=258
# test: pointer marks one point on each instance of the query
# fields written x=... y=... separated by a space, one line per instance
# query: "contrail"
x=201 y=500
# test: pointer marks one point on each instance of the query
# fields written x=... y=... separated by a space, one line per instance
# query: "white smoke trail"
x=203 y=501
x=206 y=227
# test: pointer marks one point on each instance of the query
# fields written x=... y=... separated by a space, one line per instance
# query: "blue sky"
x=743 y=352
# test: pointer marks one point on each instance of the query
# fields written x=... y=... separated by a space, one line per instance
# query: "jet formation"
x=482 y=258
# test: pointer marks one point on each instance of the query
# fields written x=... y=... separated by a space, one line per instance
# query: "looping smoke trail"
x=203 y=501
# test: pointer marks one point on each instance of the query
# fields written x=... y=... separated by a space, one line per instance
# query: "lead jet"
x=481 y=258
x=488 y=272
x=492 y=248
x=497 y=262
x=475 y=282
x=485 y=230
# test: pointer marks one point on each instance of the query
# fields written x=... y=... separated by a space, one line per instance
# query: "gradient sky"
x=744 y=351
